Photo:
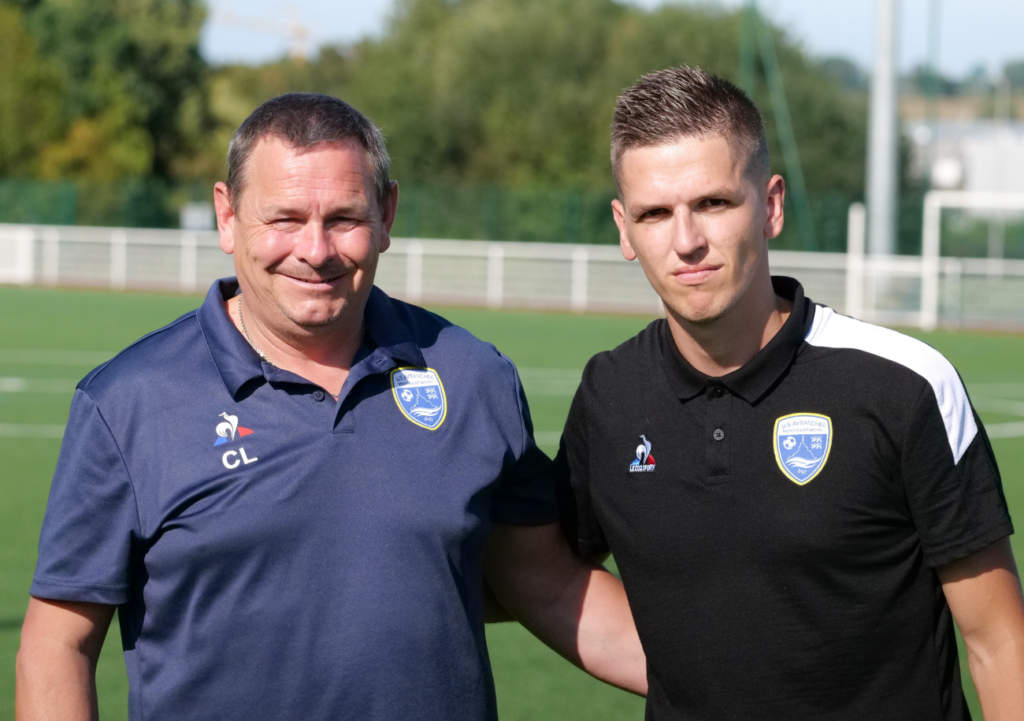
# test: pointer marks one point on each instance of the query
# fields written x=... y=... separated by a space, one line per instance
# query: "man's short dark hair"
x=305 y=119
x=687 y=102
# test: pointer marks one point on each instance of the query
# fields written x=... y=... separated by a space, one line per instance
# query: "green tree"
x=520 y=92
x=135 y=99
x=30 y=96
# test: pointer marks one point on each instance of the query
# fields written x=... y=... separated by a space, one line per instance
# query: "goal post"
x=935 y=202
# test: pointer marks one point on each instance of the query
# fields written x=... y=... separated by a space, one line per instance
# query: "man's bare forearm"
x=998 y=675
x=54 y=683
x=984 y=594
x=55 y=677
x=575 y=607
x=607 y=641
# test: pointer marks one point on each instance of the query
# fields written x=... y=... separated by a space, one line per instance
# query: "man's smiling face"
x=306 y=231
x=697 y=222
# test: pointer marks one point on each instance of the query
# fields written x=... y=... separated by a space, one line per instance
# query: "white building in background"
x=974 y=155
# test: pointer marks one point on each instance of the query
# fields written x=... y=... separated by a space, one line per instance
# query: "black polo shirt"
x=778 y=528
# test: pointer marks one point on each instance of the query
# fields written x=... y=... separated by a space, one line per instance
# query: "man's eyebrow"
x=344 y=211
x=719 y=192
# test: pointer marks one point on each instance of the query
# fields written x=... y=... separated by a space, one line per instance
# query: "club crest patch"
x=420 y=396
x=802 y=444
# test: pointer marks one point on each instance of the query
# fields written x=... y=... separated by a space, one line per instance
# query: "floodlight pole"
x=882 y=190
x=748 y=43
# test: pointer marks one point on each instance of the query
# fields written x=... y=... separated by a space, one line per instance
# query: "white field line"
x=996 y=389
x=550 y=381
x=1005 y=407
x=31 y=430
x=1005 y=430
x=998 y=405
x=12 y=356
x=37 y=385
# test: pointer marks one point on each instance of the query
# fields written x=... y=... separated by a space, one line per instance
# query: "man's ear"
x=619 y=214
x=388 y=213
x=225 y=217
x=775 y=201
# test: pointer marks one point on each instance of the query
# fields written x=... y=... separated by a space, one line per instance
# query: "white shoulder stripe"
x=831 y=330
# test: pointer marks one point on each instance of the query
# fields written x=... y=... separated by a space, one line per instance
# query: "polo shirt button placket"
x=319 y=395
x=716 y=457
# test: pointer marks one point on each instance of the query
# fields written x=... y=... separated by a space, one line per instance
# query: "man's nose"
x=687 y=234
x=312 y=245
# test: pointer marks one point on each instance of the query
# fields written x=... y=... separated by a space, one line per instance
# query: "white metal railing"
x=925 y=291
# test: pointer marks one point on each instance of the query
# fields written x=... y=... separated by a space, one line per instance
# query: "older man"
x=800 y=503
x=287 y=493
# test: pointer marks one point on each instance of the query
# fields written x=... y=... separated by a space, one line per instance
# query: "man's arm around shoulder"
x=575 y=607
x=984 y=595
x=56 y=667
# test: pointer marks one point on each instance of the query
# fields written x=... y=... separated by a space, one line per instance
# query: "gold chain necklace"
x=261 y=354
x=245 y=332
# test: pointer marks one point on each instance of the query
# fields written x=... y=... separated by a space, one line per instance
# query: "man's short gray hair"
x=305 y=119
x=688 y=102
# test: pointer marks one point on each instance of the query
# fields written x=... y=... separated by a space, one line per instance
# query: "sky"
x=973 y=33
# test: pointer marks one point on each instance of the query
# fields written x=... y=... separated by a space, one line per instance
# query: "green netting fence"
x=550 y=214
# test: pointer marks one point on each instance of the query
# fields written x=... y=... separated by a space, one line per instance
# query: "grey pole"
x=882 y=190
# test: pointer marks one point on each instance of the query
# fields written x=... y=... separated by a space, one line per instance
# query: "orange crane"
x=294 y=30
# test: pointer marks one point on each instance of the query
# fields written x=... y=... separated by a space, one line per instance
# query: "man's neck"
x=323 y=358
x=725 y=344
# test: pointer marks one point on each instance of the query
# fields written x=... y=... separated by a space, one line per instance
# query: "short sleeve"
x=572 y=482
x=957 y=504
x=91 y=516
x=526 y=494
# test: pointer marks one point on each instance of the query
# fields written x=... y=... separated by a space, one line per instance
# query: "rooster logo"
x=644 y=460
x=228 y=429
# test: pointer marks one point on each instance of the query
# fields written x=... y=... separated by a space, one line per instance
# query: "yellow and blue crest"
x=802 y=444
x=420 y=396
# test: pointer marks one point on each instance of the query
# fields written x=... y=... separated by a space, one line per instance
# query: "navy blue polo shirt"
x=276 y=554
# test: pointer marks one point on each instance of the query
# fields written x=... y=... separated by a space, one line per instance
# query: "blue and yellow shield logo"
x=802 y=443
x=420 y=396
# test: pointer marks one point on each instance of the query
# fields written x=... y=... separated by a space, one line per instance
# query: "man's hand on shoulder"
x=984 y=595
x=575 y=607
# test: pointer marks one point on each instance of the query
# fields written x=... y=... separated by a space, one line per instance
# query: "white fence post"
x=856 y=230
x=118 y=259
x=495 y=275
x=51 y=256
x=24 y=262
x=580 y=268
x=187 y=276
x=414 y=271
x=930 y=261
x=954 y=291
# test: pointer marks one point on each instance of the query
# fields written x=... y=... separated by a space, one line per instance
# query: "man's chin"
x=698 y=314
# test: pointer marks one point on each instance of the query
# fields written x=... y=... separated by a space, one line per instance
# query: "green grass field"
x=70 y=331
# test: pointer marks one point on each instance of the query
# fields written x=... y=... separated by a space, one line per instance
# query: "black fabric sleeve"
x=526 y=493
x=91 y=517
x=957 y=505
x=572 y=480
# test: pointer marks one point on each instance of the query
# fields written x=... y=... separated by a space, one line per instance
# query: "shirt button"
x=319 y=395
x=718 y=435
x=719 y=391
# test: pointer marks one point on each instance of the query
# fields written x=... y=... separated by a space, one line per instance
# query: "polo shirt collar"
x=756 y=377
x=385 y=330
x=389 y=329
